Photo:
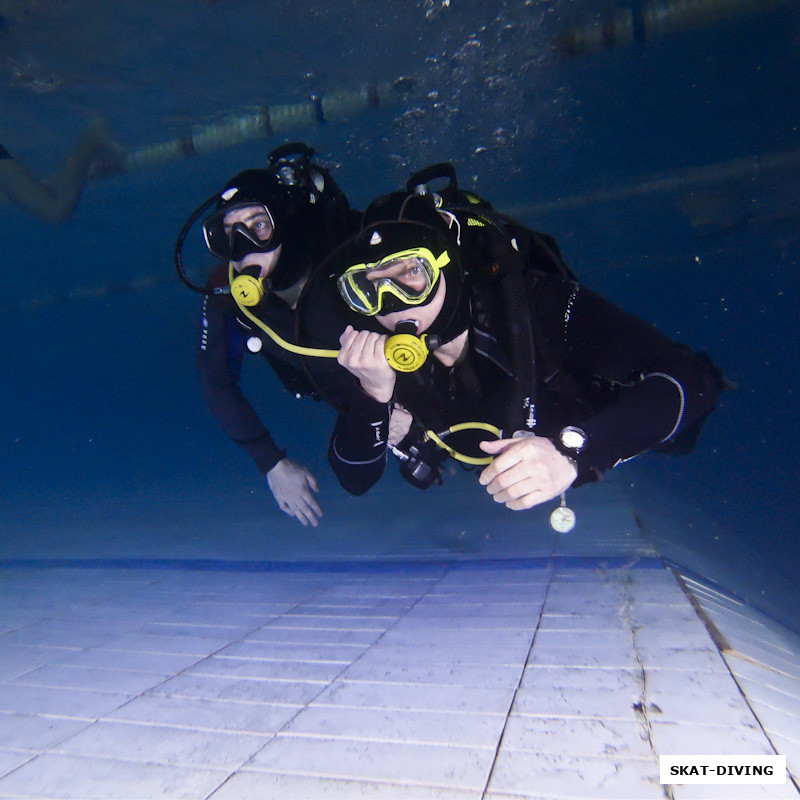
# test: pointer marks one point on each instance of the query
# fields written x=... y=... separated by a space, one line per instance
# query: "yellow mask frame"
x=366 y=298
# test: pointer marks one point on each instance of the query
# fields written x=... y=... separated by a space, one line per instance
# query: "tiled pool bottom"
x=539 y=678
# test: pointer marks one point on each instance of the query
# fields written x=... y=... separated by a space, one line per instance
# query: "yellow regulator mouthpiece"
x=405 y=352
x=247 y=290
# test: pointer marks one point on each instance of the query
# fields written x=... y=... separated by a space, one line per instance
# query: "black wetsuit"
x=221 y=347
x=308 y=236
x=628 y=386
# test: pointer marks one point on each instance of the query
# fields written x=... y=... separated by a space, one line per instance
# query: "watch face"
x=573 y=438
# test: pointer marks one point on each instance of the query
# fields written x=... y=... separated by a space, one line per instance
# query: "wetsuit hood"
x=398 y=224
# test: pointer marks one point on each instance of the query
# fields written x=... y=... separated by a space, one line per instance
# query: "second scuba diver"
x=271 y=228
x=501 y=358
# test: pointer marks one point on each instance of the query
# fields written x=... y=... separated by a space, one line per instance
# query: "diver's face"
x=254 y=218
x=258 y=222
x=424 y=315
x=405 y=271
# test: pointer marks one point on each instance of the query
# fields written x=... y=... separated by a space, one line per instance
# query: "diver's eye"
x=261 y=227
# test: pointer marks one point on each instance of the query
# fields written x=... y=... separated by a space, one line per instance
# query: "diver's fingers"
x=305 y=513
x=351 y=342
x=510 y=481
x=346 y=340
x=522 y=487
x=310 y=505
x=360 y=349
x=528 y=499
x=307 y=516
x=292 y=512
x=528 y=472
x=495 y=446
x=506 y=455
x=371 y=345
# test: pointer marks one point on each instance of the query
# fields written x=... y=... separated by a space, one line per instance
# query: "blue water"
x=105 y=446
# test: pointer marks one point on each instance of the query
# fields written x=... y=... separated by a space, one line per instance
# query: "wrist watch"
x=571 y=441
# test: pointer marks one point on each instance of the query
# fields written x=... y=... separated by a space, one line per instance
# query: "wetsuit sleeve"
x=357 y=451
x=662 y=387
x=219 y=355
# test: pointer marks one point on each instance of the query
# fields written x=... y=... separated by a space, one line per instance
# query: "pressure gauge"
x=562 y=519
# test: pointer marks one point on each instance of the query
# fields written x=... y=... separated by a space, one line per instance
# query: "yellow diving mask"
x=399 y=280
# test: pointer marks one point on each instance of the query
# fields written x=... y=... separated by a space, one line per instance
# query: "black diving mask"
x=255 y=233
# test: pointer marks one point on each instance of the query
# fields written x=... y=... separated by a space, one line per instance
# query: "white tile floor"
x=762 y=656
x=551 y=677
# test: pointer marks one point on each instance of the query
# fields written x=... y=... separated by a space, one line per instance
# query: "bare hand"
x=292 y=485
x=399 y=424
x=526 y=472
x=362 y=354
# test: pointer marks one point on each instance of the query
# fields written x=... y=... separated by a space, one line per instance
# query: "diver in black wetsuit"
x=271 y=228
x=519 y=367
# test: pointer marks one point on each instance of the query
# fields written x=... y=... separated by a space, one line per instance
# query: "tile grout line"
x=641 y=709
x=344 y=669
x=517 y=689
x=161 y=683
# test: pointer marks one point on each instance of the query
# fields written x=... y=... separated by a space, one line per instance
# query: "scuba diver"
x=467 y=336
x=270 y=228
